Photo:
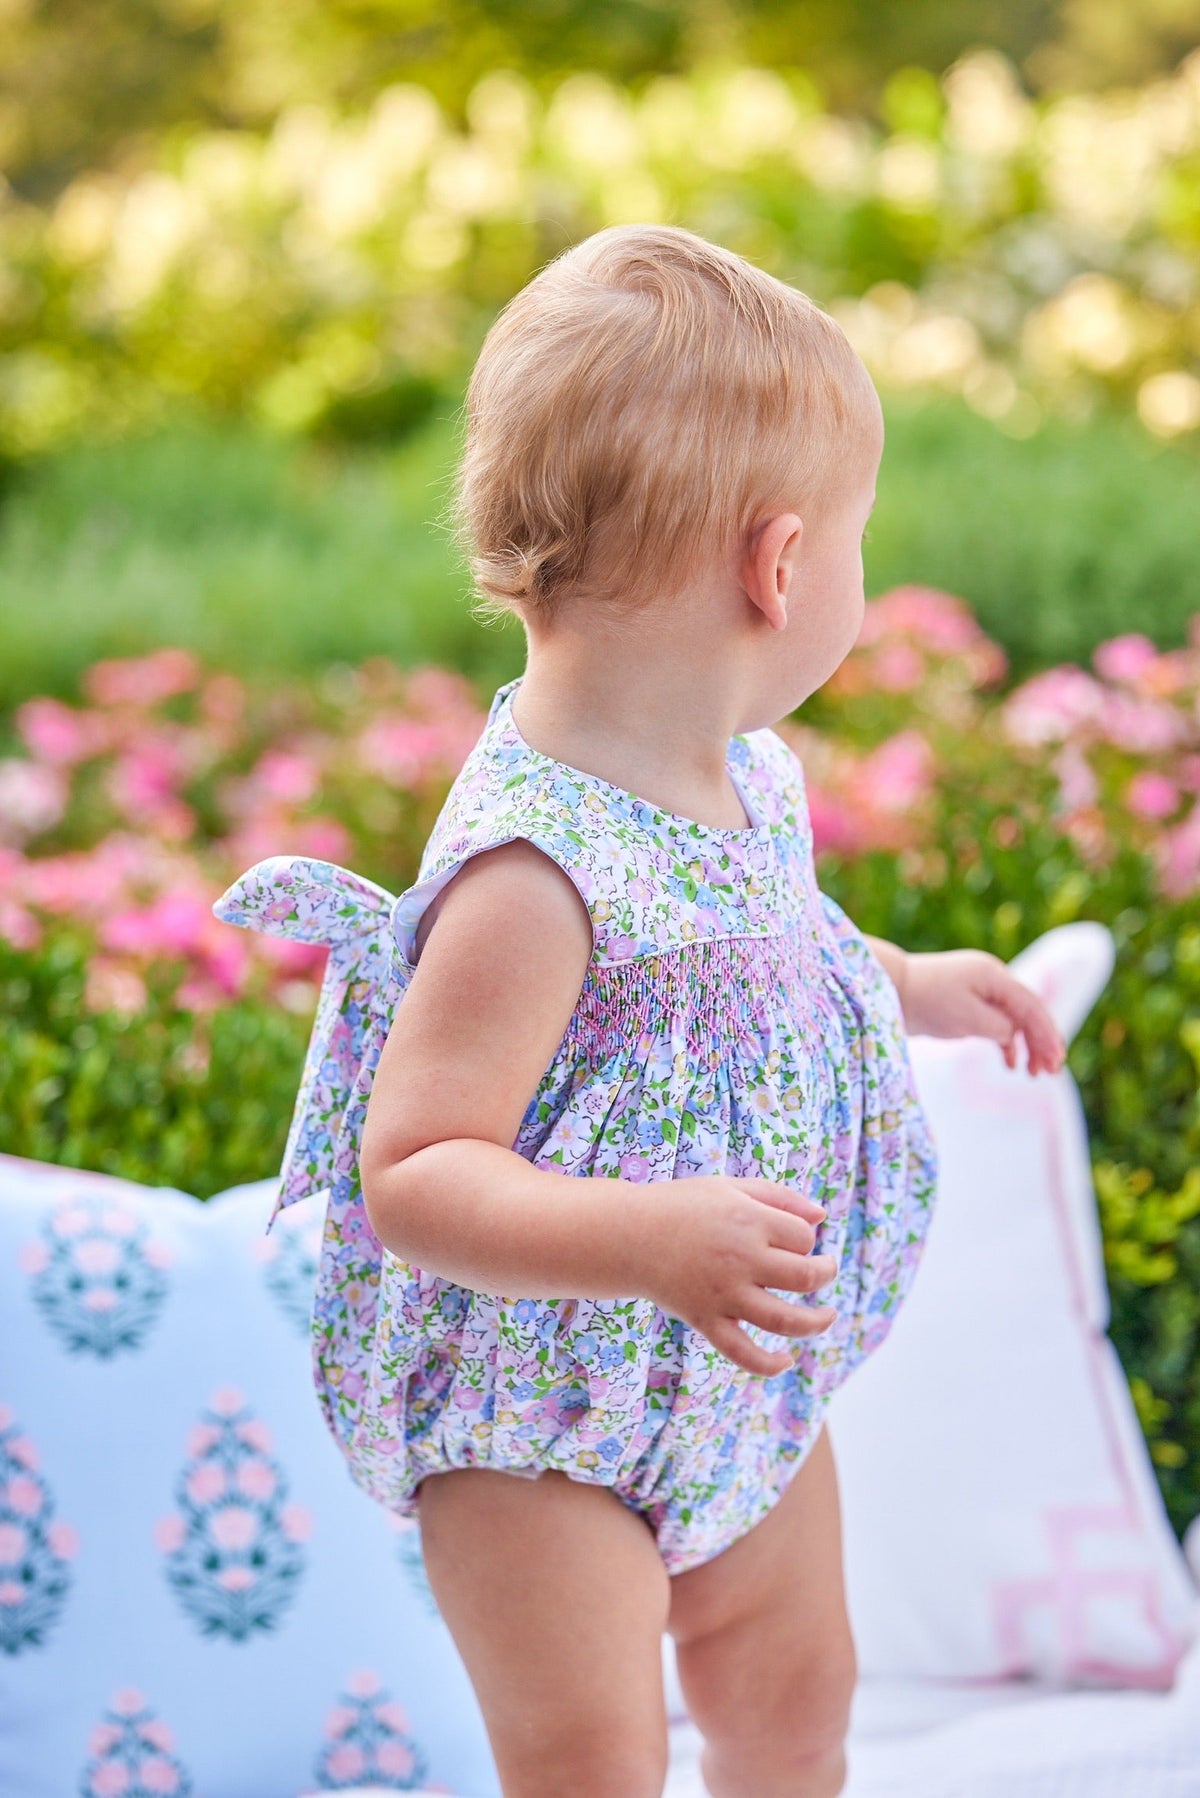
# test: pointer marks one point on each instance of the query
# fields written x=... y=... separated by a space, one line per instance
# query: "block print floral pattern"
x=97 y=1274
x=234 y=1544
x=131 y=1754
x=36 y=1548
x=289 y=1258
x=732 y=1019
x=368 y=1742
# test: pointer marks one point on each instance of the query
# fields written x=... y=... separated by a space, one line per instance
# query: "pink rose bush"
x=123 y=815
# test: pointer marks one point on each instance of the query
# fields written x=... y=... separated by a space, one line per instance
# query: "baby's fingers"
x=1044 y=1045
x=739 y=1348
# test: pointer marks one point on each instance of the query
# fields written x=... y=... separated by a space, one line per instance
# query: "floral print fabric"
x=732 y=1020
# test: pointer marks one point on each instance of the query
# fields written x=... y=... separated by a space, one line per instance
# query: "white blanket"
x=1007 y=1741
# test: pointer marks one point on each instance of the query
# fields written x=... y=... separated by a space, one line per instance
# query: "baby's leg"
x=764 y=1648
x=556 y=1597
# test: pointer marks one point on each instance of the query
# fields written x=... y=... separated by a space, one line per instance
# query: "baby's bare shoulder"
x=499 y=970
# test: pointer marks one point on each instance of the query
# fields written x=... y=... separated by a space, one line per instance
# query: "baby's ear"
x=769 y=564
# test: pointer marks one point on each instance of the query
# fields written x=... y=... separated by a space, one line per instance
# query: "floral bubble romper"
x=732 y=1020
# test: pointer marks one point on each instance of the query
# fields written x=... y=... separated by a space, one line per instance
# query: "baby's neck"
x=652 y=723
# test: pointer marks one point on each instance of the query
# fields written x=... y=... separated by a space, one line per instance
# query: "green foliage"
x=169 y=1098
x=264 y=555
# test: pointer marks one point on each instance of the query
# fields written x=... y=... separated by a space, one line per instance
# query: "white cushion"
x=1001 y=1512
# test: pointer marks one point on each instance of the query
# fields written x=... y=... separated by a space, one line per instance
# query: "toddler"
x=626 y=1168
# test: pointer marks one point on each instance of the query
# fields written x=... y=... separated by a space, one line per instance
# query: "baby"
x=626 y=1167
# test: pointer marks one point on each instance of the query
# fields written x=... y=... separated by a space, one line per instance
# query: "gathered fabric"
x=732 y=1020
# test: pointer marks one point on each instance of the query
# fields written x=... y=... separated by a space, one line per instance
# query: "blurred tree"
x=82 y=80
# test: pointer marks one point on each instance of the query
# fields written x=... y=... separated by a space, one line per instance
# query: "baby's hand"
x=967 y=992
x=716 y=1244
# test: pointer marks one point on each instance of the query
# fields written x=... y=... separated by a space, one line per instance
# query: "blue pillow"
x=196 y=1601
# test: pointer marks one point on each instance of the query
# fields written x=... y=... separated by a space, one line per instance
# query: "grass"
x=265 y=556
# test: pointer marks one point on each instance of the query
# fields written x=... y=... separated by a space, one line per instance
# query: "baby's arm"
x=484 y=1012
x=495 y=985
x=967 y=992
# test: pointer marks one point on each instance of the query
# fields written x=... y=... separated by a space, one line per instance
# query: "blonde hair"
x=632 y=408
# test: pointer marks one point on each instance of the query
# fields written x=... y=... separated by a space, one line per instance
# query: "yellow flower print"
x=587 y=1457
x=601 y=911
x=772 y=1062
x=687 y=930
x=754 y=886
x=507 y=1417
x=680 y=1064
x=593 y=802
x=793 y=1098
x=482 y=1433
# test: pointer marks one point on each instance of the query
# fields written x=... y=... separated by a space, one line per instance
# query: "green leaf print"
x=670 y=1133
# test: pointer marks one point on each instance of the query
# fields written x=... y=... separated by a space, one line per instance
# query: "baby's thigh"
x=556 y=1597
x=763 y=1639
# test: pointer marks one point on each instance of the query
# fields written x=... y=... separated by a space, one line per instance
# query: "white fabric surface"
x=1012 y=1740
x=1001 y=1516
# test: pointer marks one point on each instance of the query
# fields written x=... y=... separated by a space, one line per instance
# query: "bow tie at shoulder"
x=318 y=902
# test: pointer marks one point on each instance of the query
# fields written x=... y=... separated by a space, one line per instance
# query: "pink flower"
x=364 y=1682
x=33 y=1257
x=1053 y=706
x=296 y=1522
x=226 y=1401
x=234 y=1528
x=99 y=1299
x=1146 y=726
x=287 y=776
x=940 y=621
x=897 y=775
x=396 y=1758
x=110 y=1780
x=201 y=1437
x=33 y=797
x=339 y=1720
x=160 y=1735
x=128 y=1702
x=346 y=1761
x=170 y=1534
x=12 y=1592
x=1151 y=795
x=58 y=733
x=13 y=1542
x=25 y=1450
x=236 y=1579
x=256 y=1434
x=897 y=667
x=392 y=1715
x=256 y=1479
x=18 y=926
x=143 y=680
x=111 y=987
x=64 y=1540
x=23 y=1495
x=96 y=1256
x=158 y=1775
x=1124 y=658
x=1077 y=784
x=1177 y=851
x=205 y=1483
x=103 y=1738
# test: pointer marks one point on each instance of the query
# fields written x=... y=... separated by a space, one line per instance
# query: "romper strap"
x=318 y=902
